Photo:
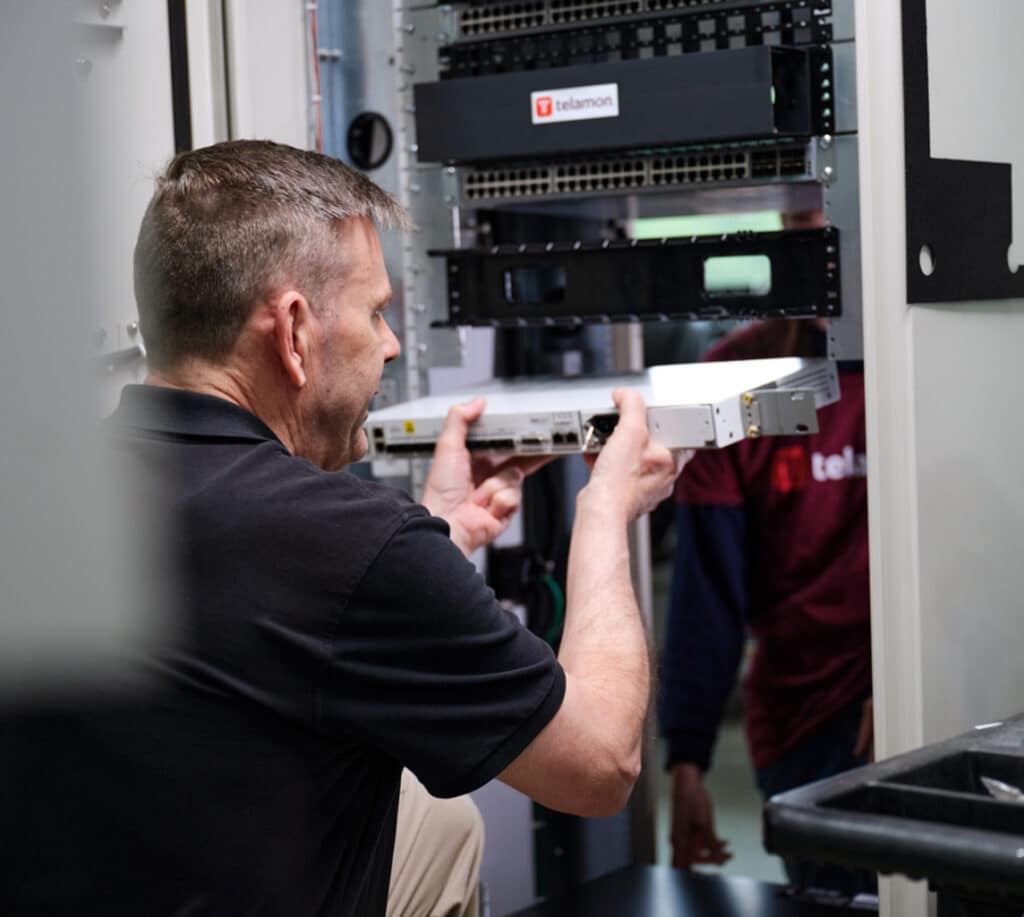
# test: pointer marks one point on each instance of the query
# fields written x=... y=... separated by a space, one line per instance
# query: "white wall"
x=269 y=89
x=971 y=513
x=124 y=102
x=972 y=580
x=945 y=494
x=86 y=120
x=207 y=71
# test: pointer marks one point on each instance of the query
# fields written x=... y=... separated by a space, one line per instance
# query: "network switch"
x=704 y=405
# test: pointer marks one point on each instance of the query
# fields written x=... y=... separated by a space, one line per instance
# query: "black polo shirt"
x=326 y=633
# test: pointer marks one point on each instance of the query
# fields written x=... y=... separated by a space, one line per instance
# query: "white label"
x=577 y=103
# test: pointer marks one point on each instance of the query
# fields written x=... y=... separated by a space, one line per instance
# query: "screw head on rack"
x=753 y=431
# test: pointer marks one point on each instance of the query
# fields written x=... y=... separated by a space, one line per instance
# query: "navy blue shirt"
x=325 y=633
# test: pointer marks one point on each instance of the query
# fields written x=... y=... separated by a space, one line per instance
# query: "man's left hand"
x=476 y=496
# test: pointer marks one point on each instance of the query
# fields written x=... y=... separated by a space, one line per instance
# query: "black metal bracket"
x=960 y=211
x=640 y=280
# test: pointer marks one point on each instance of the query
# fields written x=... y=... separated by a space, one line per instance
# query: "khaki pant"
x=435 y=871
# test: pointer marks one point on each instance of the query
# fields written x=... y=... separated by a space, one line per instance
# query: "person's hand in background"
x=694 y=841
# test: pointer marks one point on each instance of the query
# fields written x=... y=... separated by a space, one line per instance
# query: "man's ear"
x=293 y=335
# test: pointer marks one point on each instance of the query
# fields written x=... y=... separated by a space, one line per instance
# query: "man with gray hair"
x=329 y=631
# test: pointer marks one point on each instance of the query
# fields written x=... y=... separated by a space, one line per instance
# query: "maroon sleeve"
x=711 y=478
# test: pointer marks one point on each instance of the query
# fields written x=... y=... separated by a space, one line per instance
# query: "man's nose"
x=392 y=348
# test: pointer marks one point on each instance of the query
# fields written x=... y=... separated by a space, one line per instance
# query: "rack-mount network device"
x=688 y=406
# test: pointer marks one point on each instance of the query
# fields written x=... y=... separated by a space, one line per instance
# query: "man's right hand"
x=694 y=841
x=631 y=471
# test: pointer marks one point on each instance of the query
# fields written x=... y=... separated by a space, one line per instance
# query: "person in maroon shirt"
x=771 y=539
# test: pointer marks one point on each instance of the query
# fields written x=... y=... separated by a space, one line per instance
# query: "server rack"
x=523 y=224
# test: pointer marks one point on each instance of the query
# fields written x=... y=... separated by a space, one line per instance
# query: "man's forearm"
x=604 y=643
x=587 y=759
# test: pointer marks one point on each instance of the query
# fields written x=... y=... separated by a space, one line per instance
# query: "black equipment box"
x=743 y=94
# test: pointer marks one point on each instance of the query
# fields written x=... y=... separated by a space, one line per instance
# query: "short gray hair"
x=231 y=223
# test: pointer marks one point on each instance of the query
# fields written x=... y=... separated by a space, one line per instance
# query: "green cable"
x=558 y=616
